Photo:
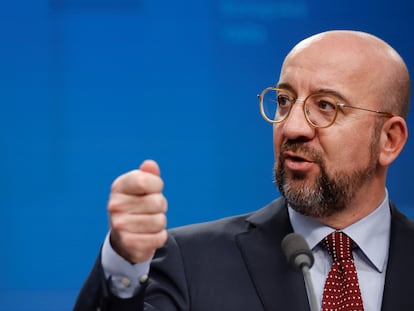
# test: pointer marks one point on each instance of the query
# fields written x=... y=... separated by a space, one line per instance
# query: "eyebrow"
x=285 y=86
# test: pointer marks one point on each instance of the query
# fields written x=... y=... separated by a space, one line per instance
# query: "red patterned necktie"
x=341 y=292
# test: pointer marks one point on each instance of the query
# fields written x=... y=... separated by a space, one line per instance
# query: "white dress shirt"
x=371 y=234
x=124 y=277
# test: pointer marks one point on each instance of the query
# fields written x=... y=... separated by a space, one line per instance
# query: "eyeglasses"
x=320 y=109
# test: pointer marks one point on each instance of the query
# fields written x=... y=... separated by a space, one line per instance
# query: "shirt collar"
x=371 y=233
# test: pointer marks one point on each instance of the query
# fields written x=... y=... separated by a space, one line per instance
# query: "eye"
x=284 y=101
x=326 y=106
x=324 y=103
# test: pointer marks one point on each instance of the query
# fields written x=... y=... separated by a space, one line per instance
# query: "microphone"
x=297 y=251
x=299 y=255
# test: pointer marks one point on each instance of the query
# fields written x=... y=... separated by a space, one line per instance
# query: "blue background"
x=90 y=88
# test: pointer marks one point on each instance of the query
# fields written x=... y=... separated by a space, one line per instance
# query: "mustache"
x=301 y=149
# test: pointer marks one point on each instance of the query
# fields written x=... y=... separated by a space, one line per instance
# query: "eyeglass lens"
x=320 y=109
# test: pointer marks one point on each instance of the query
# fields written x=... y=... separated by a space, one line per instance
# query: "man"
x=338 y=114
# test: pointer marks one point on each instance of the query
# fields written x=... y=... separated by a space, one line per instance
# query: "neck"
x=360 y=207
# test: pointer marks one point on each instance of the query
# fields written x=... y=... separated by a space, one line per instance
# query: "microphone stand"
x=299 y=255
x=311 y=292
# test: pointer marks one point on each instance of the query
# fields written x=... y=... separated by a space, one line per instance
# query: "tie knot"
x=339 y=245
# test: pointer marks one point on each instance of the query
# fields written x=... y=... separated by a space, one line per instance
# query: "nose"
x=296 y=126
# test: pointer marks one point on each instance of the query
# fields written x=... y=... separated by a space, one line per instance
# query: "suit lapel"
x=281 y=288
x=398 y=289
x=278 y=285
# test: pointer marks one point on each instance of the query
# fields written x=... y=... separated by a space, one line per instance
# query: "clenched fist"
x=137 y=210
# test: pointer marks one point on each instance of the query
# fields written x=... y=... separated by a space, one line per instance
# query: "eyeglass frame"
x=293 y=99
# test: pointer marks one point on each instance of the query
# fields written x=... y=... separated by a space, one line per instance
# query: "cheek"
x=348 y=153
x=277 y=139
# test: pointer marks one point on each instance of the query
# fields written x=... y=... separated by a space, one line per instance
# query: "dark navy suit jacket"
x=237 y=263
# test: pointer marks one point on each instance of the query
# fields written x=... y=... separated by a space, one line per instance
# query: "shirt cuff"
x=124 y=278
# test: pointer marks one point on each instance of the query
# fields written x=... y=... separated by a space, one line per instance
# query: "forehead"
x=326 y=58
x=347 y=65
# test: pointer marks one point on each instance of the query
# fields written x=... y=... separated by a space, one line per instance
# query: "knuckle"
x=159 y=202
x=114 y=205
x=161 y=238
x=141 y=180
x=117 y=224
x=158 y=239
x=161 y=184
x=161 y=221
x=116 y=184
x=153 y=223
x=156 y=223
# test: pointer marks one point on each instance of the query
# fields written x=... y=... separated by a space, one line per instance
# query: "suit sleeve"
x=166 y=288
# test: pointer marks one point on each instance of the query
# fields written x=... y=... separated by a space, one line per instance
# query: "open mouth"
x=296 y=162
x=295 y=157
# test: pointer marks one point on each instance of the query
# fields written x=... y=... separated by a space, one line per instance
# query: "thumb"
x=150 y=166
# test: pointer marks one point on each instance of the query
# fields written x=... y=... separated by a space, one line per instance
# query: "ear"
x=394 y=134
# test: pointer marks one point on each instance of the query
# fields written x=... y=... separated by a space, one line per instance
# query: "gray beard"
x=327 y=195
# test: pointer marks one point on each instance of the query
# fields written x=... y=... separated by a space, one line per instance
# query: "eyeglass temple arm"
x=388 y=114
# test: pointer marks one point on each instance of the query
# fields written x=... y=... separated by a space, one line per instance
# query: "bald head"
x=359 y=59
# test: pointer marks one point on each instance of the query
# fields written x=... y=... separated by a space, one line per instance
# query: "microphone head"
x=297 y=251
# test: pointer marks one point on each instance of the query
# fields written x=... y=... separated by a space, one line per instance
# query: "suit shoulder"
x=230 y=226
x=226 y=225
x=399 y=219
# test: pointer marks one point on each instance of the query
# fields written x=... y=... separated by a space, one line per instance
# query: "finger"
x=145 y=204
x=137 y=247
x=150 y=166
x=145 y=224
x=137 y=182
x=147 y=241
